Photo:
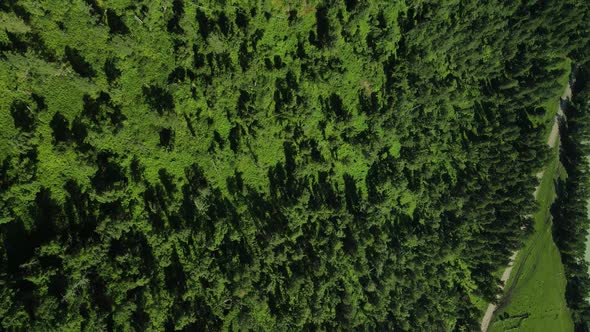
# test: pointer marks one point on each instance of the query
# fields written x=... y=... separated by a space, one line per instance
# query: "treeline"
x=570 y=210
x=281 y=165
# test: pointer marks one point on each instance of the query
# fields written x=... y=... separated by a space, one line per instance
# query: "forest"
x=572 y=224
x=280 y=165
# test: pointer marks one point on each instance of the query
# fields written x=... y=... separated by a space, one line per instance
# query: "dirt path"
x=489 y=314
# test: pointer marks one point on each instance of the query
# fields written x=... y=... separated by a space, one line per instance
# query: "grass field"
x=534 y=295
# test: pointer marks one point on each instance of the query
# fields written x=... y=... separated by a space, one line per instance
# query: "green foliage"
x=571 y=209
x=270 y=165
x=537 y=284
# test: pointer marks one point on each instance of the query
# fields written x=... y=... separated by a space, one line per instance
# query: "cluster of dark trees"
x=274 y=166
x=570 y=211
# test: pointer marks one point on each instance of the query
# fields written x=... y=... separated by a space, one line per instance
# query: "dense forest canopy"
x=271 y=165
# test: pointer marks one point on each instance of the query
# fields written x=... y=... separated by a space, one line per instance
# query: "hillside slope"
x=270 y=165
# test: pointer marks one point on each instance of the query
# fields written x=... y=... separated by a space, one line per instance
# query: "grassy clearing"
x=534 y=295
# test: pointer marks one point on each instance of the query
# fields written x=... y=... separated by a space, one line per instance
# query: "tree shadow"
x=322 y=28
x=167 y=138
x=101 y=109
x=158 y=99
x=177 y=75
x=234 y=138
x=22 y=116
x=82 y=222
x=79 y=64
x=203 y=22
x=60 y=127
x=110 y=175
x=173 y=25
x=111 y=71
x=333 y=106
x=116 y=23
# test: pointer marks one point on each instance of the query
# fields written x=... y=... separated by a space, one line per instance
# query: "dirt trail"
x=489 y=314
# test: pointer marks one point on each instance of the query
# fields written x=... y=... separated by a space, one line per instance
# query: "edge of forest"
x=538 y=246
